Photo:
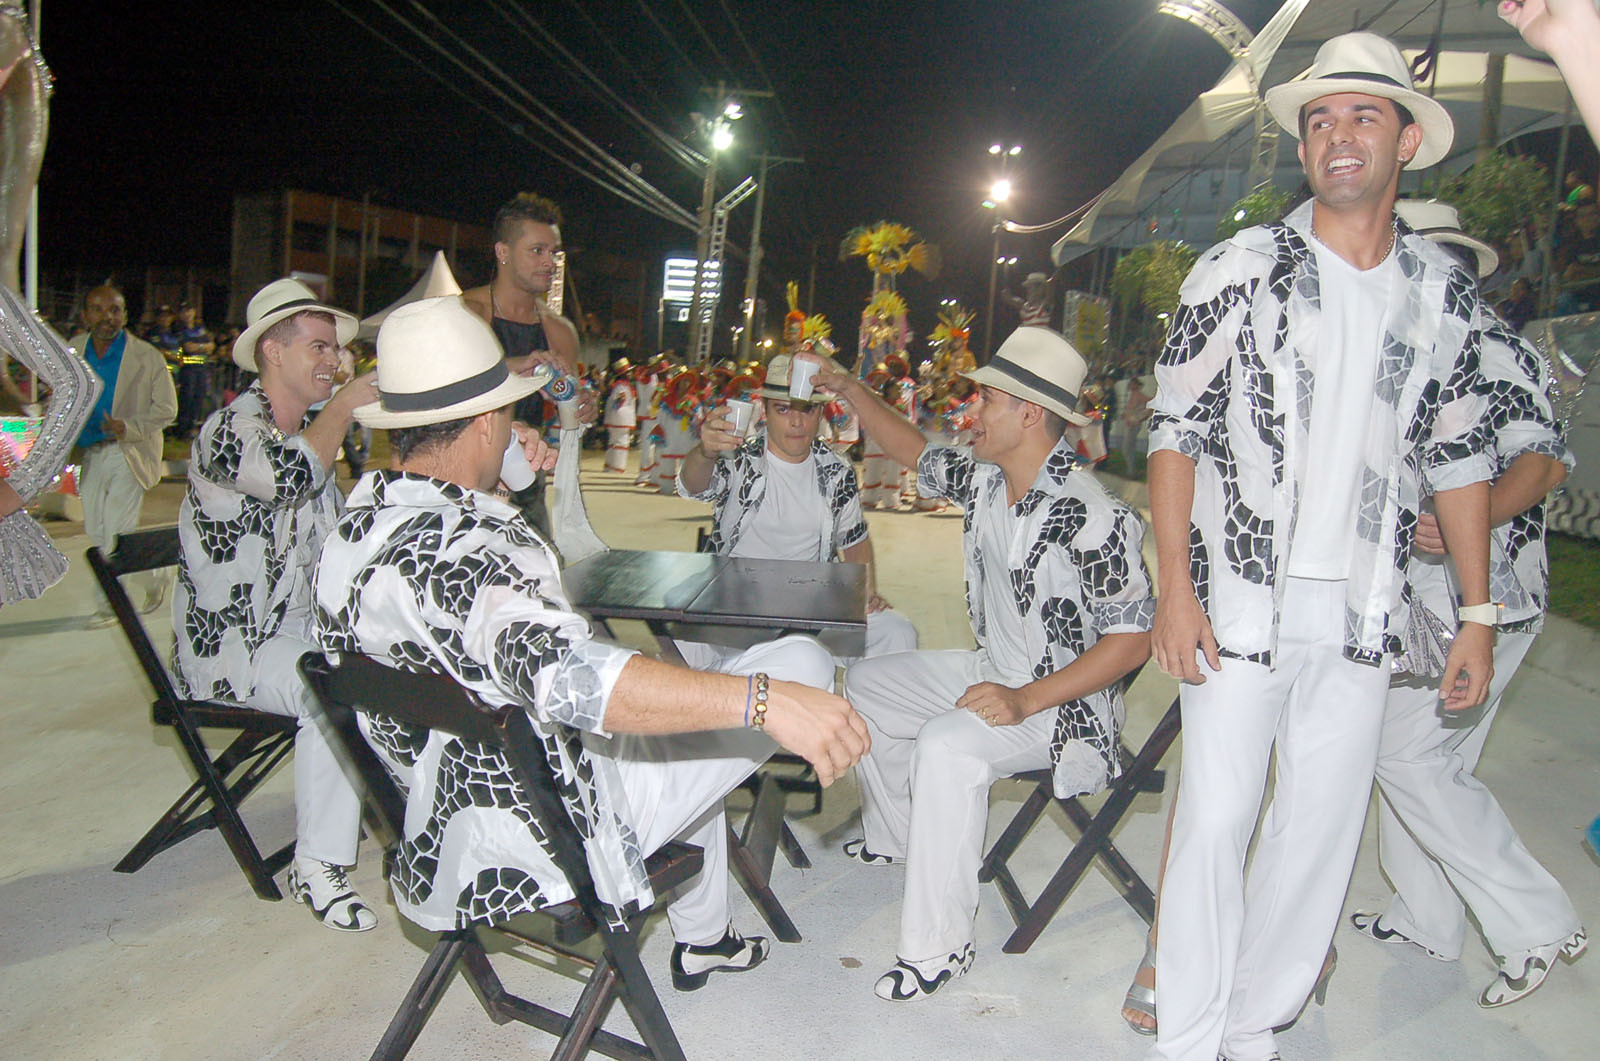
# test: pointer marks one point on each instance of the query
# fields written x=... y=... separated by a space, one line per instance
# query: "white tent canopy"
x=437 y=280
x=1199 y=166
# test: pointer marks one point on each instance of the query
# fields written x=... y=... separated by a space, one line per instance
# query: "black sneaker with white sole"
x=693 y=965
x=857 y=849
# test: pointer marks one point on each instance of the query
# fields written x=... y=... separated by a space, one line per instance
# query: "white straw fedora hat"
x=1440 y=223
x=1037 y=365
x=1372 y=65
x=438 y=361
x=280 y=299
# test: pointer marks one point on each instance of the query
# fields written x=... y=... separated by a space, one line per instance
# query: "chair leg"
x=748 y=873
x=1012 y=838
x=183 y=819
x=639 y=996
x=426 y=990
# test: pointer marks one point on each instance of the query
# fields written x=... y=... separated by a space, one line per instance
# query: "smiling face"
x=996 y=423
x=529 y=259
x=104 y=314
x=791 y=427
x=302 y=363
x=1354 y=148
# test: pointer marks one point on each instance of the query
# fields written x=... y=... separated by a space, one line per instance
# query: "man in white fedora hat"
x=783 y=494
x=1061 y=608
x=1445 y=843
x=428 y=571
x=261 y=498
x=1319 y=375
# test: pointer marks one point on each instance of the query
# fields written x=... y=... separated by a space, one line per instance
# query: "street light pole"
x=999 y=193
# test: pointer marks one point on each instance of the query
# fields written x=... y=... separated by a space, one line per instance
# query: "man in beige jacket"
x=122 y=443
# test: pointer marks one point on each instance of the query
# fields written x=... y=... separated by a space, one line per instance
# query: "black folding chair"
x=433 y=701
x=1139 y=774
x=222 y=781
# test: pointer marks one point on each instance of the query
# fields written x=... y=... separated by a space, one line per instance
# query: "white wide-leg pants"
x=1238 y=958
x=1442 y=837
x=618 y=441
x=112 y=499
x=888 y=632
x=925 y=784
x=647 y=452
x=327 y=805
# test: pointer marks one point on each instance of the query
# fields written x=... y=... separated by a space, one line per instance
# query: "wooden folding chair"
x=433 y=701
x=1139 y=774
x=222 y=781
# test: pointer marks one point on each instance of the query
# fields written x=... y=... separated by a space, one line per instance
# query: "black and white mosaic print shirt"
x=257 y=508
x=1076 y=569
x=739 y=481
x=1234 y=387
x=427 y=576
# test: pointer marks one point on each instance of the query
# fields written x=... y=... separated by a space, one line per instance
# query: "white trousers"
x=1238 y=958
x=679 y=441
x=689 y=774
x=1442 y=837
x=925 y=784
x=112 y=500
x=884 y=479
x=887 y=632
x=675 y=786
x=619 y=440
x=647 y=451
x=327 y=806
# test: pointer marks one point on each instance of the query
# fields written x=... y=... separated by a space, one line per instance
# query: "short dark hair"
x=525 y=207
x=1055 y=425
x=284 y=331
x=1400 y=109
x=409 y=441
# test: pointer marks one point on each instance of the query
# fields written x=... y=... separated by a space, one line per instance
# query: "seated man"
x=261 y=498
x=784 y=495
x=1061 y=609
x=427 y=571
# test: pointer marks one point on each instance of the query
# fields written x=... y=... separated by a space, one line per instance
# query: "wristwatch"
x=1483 y=614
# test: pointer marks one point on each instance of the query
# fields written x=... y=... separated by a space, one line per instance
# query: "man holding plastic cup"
x=782 y=494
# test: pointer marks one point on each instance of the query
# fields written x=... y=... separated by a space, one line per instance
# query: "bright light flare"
x=1000 y=191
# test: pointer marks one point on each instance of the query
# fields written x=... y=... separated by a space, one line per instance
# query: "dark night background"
x=162 y=113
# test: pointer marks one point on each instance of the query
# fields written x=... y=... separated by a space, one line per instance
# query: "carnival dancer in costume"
x=1033 y=308
x=648 y=381
x=680 y=406
x=622 y=416
x=901 y=394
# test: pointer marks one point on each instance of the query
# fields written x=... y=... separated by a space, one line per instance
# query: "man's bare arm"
x=652 y=697
x=899 y=437
x=1464 y=521
x=1181 y=625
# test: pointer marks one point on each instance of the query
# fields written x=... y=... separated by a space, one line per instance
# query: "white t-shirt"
x=1355 y=315
x=790 y=522
x=1004 y=635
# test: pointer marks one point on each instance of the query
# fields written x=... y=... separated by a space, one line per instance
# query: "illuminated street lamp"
x=999 y=194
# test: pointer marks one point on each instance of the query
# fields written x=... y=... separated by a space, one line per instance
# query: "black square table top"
x=704 y=589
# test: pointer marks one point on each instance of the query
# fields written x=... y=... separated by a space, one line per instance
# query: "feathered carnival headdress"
x=955 y=326
x=891 y=248
x=888 y=304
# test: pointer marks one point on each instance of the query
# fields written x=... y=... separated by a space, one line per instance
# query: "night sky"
x=163 y=112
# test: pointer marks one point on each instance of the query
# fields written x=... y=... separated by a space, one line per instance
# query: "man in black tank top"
x=527 y=257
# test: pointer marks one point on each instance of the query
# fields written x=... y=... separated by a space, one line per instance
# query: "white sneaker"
x=325 y=888
x=1531 y=970
x=910 y=981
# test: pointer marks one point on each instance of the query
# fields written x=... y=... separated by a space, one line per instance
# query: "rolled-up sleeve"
x=240 y=453
x=1192 y=371
x=1459 y=449
x=946 y=471
x=1517 y=382
x=1116 y=583
x=538 y=650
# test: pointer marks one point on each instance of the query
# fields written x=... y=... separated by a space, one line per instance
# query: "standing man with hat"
x=1443 y=840
x=782 y=494
x=261 y=499
x=1321 y=374
x=622 y=415
x=429 y=572
x=122 y=442
x=1061 y=608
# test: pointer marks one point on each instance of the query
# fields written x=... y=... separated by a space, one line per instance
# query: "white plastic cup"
x=742 y=413
x=801 y=374
x=515 y=471
x=567 y=411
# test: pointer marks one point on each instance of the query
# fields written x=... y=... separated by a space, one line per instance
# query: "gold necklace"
x=1387 y=247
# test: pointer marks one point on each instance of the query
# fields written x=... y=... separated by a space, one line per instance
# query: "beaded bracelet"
x=759 y=721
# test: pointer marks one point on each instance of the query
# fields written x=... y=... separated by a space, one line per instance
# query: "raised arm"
x=899 y=437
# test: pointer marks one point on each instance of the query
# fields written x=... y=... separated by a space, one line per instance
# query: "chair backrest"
x=436 y=702
x=142 y=550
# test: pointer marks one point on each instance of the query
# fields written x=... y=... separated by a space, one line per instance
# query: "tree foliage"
x=1262 y=206
x=1148 y=278
x=1498 y=195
